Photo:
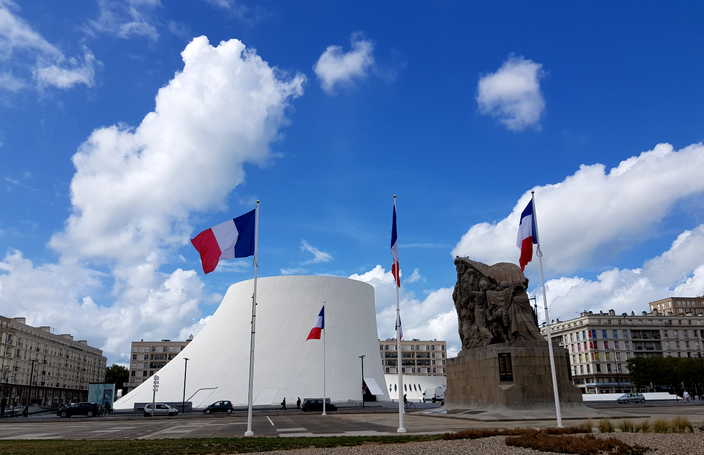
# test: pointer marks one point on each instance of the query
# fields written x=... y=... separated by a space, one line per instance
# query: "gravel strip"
x=662 y=444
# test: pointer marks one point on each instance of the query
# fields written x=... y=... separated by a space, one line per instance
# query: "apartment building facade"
x=600 y=344
x=39 y=367
x=678 y=306
x=418 y=357
x=148 y=357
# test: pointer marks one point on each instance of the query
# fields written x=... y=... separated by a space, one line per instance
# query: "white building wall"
x=285 y=364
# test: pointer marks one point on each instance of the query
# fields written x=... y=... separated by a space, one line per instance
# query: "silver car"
x=160 y=409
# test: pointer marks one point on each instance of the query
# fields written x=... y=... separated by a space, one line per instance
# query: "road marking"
x=36 y=436
x=290 y=429
x=272 y=423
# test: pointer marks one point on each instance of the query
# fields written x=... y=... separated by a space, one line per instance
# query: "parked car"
x=85 y=409
x=160 y=409
x=316 y=404
x=632 y=397
x=220 y=406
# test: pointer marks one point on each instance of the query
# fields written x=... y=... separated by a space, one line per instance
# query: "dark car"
x=83 y=409
x=316 y=404
x=220 y=406
x=632 y=397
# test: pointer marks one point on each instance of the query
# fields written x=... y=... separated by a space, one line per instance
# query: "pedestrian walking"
x=298 y=403
x=283 y=404
x=685 y=395
x=3 y=405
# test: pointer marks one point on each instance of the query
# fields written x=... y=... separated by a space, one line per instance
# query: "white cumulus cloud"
x=512 y=94
x=679 y=271
x=594 y=214
x=133 y=193
x=432 y=318
x=336 y=68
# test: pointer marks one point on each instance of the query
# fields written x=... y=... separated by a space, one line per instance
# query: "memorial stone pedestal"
x=515 y=375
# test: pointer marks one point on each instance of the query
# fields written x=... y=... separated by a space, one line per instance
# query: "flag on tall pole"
x=235 y=238
x=232 y=239
x=315 y=335
x=395 y=269
x=527 y=236
x=318 y=327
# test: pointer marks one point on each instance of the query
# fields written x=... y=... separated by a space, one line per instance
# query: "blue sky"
x=128 y=126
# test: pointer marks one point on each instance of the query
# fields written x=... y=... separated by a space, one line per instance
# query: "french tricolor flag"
x=318 y=327
x=232 y=239
x=395 y=270
x=527 y=235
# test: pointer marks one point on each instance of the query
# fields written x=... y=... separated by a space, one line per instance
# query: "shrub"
x=643 y=427
x=627 y=426
x=605 y=426
x=682 y=425
x=587 y=426
x=586 y=444
x=486 y=433
x=662 y=426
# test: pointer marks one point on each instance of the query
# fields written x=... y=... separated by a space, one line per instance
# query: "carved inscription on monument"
x=492 y=304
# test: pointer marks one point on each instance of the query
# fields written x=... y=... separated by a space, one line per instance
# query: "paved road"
x=290 y=424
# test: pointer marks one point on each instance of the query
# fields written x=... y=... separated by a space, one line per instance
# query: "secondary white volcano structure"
x=285 y=364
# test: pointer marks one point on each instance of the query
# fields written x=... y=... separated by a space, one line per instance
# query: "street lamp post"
x=362 y=358
x=29 y=394
x=185 y=369
x=702 y=367
x=618 y=377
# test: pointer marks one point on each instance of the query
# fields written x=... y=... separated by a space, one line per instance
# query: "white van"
x=434 y=394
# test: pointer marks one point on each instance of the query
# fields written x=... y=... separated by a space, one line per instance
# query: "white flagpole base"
x=249 y=433
x=324 y=414
x=401 y=430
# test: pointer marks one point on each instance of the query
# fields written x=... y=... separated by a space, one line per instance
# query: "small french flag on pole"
x=318 y=327
x=232 y=239
x=527 y=235
x=395 y=268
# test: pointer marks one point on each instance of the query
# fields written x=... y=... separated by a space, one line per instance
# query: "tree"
x=118 y=375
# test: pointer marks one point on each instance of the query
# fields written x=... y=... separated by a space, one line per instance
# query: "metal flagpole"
x=547 y=318
x=401 y=429
x=324 y=359
x=249 y=431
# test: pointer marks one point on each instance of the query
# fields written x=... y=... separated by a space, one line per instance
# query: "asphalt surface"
x=373 y=420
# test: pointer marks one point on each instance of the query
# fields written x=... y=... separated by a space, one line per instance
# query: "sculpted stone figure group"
x=492 y=304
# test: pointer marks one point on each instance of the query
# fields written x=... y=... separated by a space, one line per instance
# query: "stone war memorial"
x=504 y=362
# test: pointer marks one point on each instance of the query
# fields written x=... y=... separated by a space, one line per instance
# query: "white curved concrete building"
x=286 y=365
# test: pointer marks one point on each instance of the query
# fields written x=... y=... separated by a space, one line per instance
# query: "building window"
x=381 y=347
x=144 y=373
x=432 y=347
x=135 y=349
x=598 y=368
x=615 y=334
x=603 y=334
x=625 y=334
x=606 y=345
x=134 y=356
x=153 y=348
x=146 y=348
